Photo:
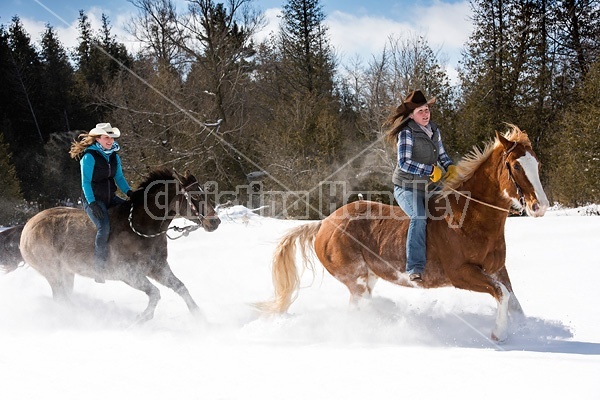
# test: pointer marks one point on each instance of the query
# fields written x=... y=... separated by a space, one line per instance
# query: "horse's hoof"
x=143 y=318
x=499 y=338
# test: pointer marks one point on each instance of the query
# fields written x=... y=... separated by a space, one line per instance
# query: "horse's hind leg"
x=60 y=282
x=68 y=282
x=358 y=279
x=166 y=277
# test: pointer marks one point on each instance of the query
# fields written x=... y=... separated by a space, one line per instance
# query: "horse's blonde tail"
x=285 y=273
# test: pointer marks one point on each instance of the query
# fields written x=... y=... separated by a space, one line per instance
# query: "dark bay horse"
x=363 y=241
x=59 y=242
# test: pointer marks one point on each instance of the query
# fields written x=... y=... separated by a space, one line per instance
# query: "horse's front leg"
x=165 y=276
x=514 y=307
x=140 y=282
x=500 y=331
x=472 y=277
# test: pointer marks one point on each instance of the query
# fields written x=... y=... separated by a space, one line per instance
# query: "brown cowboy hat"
x=414 y=100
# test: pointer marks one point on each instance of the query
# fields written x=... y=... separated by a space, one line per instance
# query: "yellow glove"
x=451 y=173
x=436 y=175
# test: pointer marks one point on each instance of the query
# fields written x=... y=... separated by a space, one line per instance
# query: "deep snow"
x=409 y=343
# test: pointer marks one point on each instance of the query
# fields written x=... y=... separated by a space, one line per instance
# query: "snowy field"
x=410 y=343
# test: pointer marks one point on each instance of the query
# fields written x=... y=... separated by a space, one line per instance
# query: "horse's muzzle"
x=211 y=223
x=536 y=209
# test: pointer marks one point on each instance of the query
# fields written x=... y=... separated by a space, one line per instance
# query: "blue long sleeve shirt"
x=87 y=165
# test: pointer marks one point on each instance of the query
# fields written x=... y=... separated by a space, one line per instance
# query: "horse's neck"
x=150 y=220
x=483 y=199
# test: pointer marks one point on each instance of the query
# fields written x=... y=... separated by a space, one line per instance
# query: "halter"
x=185 y=230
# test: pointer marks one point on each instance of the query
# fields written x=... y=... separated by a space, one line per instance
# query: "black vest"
x=103 y=182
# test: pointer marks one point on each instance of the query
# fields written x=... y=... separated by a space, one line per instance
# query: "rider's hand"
x=436 y=175
x=96 y=210
x=451 y=173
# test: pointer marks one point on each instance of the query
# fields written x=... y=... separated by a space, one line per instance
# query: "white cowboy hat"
x=104 y=128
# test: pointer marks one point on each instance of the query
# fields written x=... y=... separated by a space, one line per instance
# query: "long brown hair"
x=396 y=121
x=79 y=145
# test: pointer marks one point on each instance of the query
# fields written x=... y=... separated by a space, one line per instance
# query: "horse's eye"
x=517 y=167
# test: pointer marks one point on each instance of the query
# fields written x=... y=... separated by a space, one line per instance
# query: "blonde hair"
x=79 y=145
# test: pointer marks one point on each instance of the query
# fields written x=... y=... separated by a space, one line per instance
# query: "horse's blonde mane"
x=470 y=162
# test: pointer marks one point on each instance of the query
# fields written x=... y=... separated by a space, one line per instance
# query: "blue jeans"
x=103 y=227
x=412 y=202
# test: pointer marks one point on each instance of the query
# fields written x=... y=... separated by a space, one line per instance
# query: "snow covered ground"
x=410 y=343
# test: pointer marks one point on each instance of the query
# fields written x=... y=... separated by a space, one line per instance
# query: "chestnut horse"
x=363 y=241
x=59 y=242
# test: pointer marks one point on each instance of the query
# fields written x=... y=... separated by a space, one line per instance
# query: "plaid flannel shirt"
x=407 y=164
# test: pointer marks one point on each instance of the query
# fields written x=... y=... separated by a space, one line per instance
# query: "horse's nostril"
x=535 y=207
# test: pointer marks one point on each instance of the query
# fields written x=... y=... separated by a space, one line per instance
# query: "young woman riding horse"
x=59 y=242
x=418 y=142
x=101 y=173
x=363 y=241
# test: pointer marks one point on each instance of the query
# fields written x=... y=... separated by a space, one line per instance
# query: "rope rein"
x=517 y=187
x=508 y=210
x=185 y=231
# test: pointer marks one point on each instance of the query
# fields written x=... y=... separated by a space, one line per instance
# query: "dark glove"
x=135 y=195
x=96 y=210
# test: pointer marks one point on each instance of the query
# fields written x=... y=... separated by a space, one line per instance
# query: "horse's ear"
x=503 y=141
x=178 y=176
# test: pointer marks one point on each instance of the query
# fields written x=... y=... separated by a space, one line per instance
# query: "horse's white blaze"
x=531 y=167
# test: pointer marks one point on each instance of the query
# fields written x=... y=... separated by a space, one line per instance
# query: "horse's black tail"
x=10 y=254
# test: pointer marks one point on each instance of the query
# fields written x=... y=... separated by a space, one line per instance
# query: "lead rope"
x=153 y=235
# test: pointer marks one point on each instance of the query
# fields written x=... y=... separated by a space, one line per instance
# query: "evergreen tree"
x=301 y=136
x=575 y=34
x=575 y=158
x=24 y=134
x=57 y=75
x=116 y=55
x=305 y=47
x=6 y=67
x=10 y=195
x=26 y=80
x=506 y=70
x=99 y=57
x=83 y=52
